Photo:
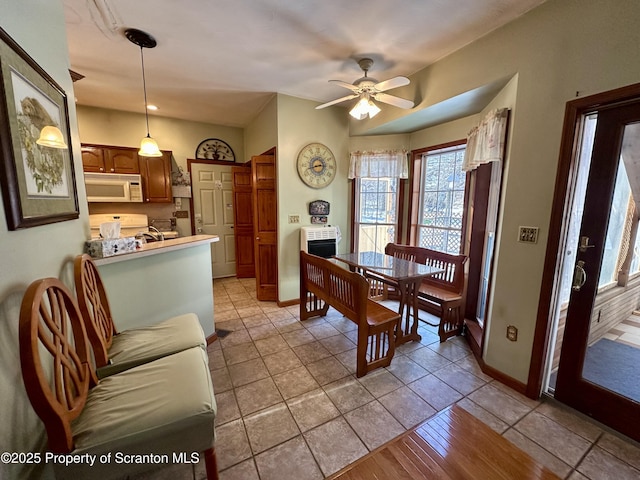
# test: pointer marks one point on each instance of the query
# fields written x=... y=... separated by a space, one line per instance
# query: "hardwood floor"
x=453 y=445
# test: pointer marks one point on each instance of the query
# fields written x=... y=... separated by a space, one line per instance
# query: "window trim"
x=399 y=211
x=401 y=235
x=415 y=174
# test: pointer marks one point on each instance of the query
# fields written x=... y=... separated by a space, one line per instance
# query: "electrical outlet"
x=512 y=333
x=528 y=234
x=181 y=214
x=294 y=218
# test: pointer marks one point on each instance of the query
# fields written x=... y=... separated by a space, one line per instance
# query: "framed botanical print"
x=37 y=181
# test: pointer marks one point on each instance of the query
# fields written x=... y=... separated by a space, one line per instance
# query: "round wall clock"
x=215 y=149
x=316 y=165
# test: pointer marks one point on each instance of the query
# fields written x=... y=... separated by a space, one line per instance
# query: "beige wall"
x=379 y=142
x=262 y=133
x=36 y=252
x=126 y=129
x=558 y=50
x=298 y=125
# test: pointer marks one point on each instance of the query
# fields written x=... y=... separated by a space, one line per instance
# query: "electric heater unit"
x=320 y=241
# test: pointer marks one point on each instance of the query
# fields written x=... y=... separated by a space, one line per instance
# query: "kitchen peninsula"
x=161 y=280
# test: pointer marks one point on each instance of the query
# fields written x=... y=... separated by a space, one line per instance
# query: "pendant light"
x=51 y=137
x=148 y=146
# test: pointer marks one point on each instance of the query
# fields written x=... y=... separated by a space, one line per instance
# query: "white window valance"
x=485 y=143
x=379 y=164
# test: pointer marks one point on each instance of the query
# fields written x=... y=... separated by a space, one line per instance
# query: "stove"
x=130 y=224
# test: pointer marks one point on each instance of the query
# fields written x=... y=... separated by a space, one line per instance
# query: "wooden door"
x=243 y=222
x=156 y=178
x=212 y=187
x=265 y=221
x=589 y=374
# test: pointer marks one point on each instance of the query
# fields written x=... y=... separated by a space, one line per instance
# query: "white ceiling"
x=220 y=61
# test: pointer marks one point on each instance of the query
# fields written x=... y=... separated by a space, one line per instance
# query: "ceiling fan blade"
x=395 y=101
x=392 y=83
x=344 y=84
x=338 y=100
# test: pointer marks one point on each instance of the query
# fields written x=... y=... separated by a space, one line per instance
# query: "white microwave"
x=113 y=187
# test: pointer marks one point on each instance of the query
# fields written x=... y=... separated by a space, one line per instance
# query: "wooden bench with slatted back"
x=324 y=284
x=443 y=292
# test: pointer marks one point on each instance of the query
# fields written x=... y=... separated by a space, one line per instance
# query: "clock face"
x=316 y=165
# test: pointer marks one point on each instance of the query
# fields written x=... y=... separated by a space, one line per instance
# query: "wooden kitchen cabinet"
x=103 y=159
x=155 y=171
x=156 y=178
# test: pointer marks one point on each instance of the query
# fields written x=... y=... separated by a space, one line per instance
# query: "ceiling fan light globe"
x=364 y=108
x=373 y=109
x=149 y=148
x=361 y=109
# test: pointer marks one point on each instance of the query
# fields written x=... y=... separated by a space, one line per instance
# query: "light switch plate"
x=294 y=218
x=528 y=234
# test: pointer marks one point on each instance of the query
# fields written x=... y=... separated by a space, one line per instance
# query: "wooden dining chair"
x=116 y=351
x=155 y=410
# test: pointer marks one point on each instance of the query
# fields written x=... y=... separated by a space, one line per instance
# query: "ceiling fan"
x=369 y=89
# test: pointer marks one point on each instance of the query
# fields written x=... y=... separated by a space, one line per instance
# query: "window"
x=376 y=210
x=620 y=248
x=441 y=207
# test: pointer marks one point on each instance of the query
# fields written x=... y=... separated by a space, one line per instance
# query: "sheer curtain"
x=379 y=164
x=485 y=143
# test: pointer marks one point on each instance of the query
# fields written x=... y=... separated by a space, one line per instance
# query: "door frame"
x=243 y=230
x=566 y=169
x=265 y=291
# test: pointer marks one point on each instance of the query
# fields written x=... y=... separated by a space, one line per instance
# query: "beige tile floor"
x=290 y=406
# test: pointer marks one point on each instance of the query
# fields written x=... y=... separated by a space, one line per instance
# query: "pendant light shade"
x=51 y=137
x=148 y=146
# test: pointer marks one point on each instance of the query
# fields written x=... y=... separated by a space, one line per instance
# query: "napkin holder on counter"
x=102 y=248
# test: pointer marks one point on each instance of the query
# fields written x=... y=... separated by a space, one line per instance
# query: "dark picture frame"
x=38 y=183
x=319 y=207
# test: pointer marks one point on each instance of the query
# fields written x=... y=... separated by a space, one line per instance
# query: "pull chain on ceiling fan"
x=368 y=89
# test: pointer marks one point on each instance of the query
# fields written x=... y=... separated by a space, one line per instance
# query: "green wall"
x=36 y=252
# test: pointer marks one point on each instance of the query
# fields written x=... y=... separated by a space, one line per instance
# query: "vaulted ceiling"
x=220 y=61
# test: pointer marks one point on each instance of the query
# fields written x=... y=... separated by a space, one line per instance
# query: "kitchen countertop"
x=163 y=246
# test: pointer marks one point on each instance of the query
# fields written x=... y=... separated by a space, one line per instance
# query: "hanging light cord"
x=144 y=88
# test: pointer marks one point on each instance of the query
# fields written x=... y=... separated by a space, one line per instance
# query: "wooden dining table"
x=402 y=274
